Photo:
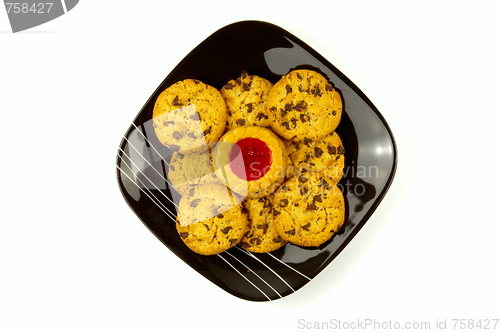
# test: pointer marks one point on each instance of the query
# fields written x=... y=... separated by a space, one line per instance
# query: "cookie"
x=261 y=235
x=303 y=106
x=325 y=156
x=250 y=160
x=210 y=219
x=308 y=209
x=245 y=99
x=188 y=169
x=189 y=114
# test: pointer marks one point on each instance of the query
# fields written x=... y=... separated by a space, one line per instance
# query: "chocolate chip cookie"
x=303 y=106
x=261 y=235
x=188 y=169
x=308 y=209
x=325 y=156
x=245 y=99
x=210 y=219
x=189 y=114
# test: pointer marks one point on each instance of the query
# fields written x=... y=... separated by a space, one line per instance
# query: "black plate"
x=268 y=51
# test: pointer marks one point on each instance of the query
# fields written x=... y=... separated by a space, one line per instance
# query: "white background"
x=75 y=258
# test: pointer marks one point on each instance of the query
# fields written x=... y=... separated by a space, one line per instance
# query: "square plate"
x=268 y=51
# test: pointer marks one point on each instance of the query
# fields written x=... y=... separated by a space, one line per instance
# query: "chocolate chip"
x=304 y=190
x=288 y=107
x=171 y=167
x=318 y=198
x=332 y=150
x=284 y=202
x=243 y=74
x=341 y=150
x=276 y=212
x=192 y=135
x=195 y=116
x=334 y=113
x=294 y=122
x=177 y=135
x=318 y=152
x=290 y=232
x=244 y=245
x=208 y=130
x=255 y=241
x=246 y=87
x=229 y=113
x=307 y=140
x=312 y=207
x=174 y=147
x=316 y=92
x=288 y=89
x=329 y=87
x=304 y=118
x=184 y=235
x=262 y=226
x=286 y=125
x=233 y=241
x=302 y=179
x=278 y=239
x=167 y=123
x=229 y=86
x=262 y=199
x=220 y=216
x=249 y=107
x=226 y=230
x=307 y=226
x=180 y=155
x=191 y=191
x=260 y=116
x=195 y=203
x=325 y=184
x=299 y=76
x=176 y=101
x=302 y=105
x=240 y=121
x=272 y=109
x=283 y=112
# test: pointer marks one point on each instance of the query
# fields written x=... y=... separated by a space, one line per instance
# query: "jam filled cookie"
x=250 y=160
x=245 y=99
x=308 y=209
x=189 y=114
x=210 y=219
x=303 y=106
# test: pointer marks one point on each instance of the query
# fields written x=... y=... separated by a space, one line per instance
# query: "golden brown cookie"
x=191 y=168
x=250 y=160
x=210 y=219
x=325 y=156
x=261 y=235
x=308 y=209
x=303 y=106
x=245 y=99
x=189 y=114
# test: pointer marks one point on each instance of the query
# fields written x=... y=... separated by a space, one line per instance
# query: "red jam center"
x=250 y=159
